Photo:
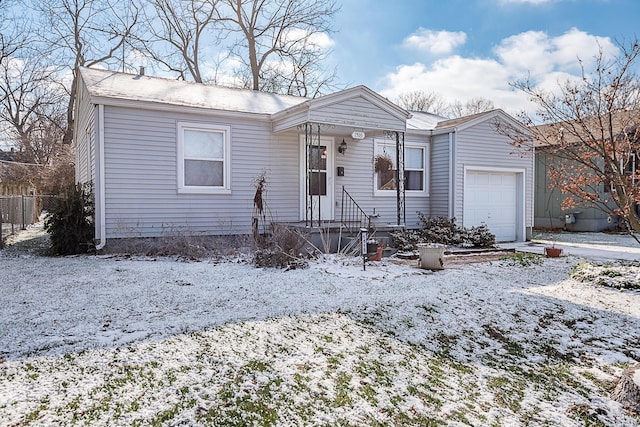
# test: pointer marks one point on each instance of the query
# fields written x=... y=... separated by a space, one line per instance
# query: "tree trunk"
x=627 y=390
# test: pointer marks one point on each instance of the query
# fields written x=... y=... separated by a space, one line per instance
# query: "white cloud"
x=537 y=53
x=436 y=42
x=545 y=60
x=319 y=40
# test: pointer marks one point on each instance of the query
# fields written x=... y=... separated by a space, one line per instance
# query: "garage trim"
x=520 y=193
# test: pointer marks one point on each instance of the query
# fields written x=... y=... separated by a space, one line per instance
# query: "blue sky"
x=467 y=48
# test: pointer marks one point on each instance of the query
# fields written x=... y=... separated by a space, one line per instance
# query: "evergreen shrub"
x=444 y=231
x=70 y=221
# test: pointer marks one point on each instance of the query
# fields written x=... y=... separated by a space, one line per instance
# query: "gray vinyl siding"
x=141 y=183
x=290 y=121
x=548 y=209
x=85 y=137
x=440 y=176
x=481 y=146
x=359 y=182
x=358 y=112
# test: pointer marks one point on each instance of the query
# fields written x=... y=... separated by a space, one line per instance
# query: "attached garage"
x=494 y=198
x=481 y=176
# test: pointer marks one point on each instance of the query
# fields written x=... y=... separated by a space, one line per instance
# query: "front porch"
x=334 y=236
x=337 y=137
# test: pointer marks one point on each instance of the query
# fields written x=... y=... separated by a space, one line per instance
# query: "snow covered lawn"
x=114 y=341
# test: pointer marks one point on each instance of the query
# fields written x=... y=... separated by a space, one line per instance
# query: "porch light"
x=343 y=147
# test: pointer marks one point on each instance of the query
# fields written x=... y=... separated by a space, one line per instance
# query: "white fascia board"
x=291 y=110
x=157 y=106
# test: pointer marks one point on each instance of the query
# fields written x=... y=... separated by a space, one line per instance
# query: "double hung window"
x=203 y=158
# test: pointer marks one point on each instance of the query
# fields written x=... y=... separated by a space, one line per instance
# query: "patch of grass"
x=622 y=276
x=523 y=259
x=368 y=393
x=587 y=415
x=447 y=342
x=603 y=385
x=508 y=393
x=551 y=352
x=334 y=361
x=438 y=375
x=460 y=416
x=343 y=390
x=403 y=419
x=254 y=366
x=240 y=408
x=169 y=414
x=512 y=347
x=425 y=394
x=34 y=415
x=374 y=370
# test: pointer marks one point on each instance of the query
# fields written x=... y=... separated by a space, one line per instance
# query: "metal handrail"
x=352 y=216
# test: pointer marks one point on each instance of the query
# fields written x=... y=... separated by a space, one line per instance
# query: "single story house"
x=549 y=213
x=554 y=144
x=169 y=157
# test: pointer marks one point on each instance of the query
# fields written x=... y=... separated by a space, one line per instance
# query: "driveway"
x=593 y=246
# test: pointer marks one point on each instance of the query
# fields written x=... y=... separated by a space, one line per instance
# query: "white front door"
x=316 y=173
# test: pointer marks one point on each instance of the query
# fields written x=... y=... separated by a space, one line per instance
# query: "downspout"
x=530 y=190
x=430 y=159
x=100 y=207
x=452 y=173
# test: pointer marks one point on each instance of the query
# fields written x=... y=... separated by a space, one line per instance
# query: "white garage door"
x=491 y=198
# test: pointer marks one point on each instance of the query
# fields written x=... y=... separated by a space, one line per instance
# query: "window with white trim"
x=203 y=158
x=415 y=170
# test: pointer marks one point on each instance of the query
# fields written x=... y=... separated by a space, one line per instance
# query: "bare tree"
x=472 y=106
x=277 y=41
x=13 y=35
x=85 y=33
x=591 y=126
x=419 y=100
x=32 y=112
x=299 y=76
x=178 y=33
x=434 y=103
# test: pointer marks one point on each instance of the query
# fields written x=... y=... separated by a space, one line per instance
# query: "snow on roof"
x=110 y=84
x=461 y=120
x=420 y=120
x=427 y=121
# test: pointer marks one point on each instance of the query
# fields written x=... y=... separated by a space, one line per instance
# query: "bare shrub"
x=283 y=248
x=189 y=246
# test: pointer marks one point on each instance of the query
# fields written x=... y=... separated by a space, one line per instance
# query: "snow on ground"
x=594 y=239
x=134 y=341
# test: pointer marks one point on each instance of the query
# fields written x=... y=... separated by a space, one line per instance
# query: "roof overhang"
x=375 y=112
x=160 y=106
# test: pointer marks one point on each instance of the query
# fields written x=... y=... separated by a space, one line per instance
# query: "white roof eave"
x=162 y=106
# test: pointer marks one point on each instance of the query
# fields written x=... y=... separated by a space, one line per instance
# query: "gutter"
x=100 y=178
